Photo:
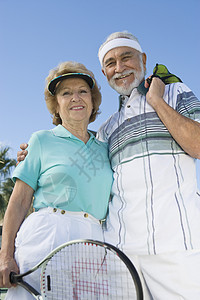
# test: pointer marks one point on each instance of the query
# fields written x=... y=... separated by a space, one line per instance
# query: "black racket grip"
x=142 y=89
x=13 y=278
x=149 y=80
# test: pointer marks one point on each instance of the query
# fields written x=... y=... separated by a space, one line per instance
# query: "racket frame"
x=18 y=278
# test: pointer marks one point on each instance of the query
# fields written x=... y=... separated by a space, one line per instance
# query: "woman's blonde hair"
x=64 y=68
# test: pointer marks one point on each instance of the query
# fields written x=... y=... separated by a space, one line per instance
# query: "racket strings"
x=86 y=272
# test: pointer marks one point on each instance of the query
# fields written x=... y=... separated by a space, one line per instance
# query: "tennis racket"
x=85 y=270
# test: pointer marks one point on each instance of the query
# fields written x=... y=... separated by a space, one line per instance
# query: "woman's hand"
x=7 y=265
x=18 y=206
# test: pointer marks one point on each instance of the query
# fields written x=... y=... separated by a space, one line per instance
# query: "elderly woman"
x=67 y=172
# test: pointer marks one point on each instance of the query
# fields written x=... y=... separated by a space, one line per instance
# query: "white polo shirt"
x=156 y=204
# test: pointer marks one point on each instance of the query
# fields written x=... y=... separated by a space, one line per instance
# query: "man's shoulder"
x=177 y=87
x=106 y=128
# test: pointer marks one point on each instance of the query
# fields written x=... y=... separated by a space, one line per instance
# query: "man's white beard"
x=126 y=88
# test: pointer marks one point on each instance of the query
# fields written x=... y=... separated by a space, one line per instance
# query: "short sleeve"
x=102 y=134
x=99 y=135
x=29 y=170
x=187 y=103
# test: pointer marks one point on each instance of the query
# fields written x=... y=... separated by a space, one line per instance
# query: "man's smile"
x=123 y=76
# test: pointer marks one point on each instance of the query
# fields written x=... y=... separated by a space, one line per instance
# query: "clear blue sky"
x=37 y=35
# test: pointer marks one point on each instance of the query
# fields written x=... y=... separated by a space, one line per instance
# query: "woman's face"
x=74 y=101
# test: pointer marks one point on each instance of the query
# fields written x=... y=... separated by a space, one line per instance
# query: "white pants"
x=43 y=231
x=170 y=276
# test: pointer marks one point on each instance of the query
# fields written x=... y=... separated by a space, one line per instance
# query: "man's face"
x=124 y=68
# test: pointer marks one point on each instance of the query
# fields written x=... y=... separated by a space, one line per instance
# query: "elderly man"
x=154 y=215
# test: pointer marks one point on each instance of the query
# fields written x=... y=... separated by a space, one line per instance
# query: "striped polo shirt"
x=155 y=203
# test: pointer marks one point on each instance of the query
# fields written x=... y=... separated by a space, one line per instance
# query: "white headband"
x=119 y=42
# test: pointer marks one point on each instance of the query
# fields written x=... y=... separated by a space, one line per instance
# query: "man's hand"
x=22 y=154
x=156 y=92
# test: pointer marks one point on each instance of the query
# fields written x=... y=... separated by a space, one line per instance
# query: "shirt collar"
x=123 y=99
x=61 y=131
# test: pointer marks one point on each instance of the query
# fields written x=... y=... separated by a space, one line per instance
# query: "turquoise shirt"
x=66 y=173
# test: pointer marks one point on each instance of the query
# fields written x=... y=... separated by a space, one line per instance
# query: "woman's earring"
x=57 y=116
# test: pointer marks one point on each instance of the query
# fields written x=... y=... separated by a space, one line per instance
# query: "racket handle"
x=16 y=279
x=13 y=278
x=149 y=80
